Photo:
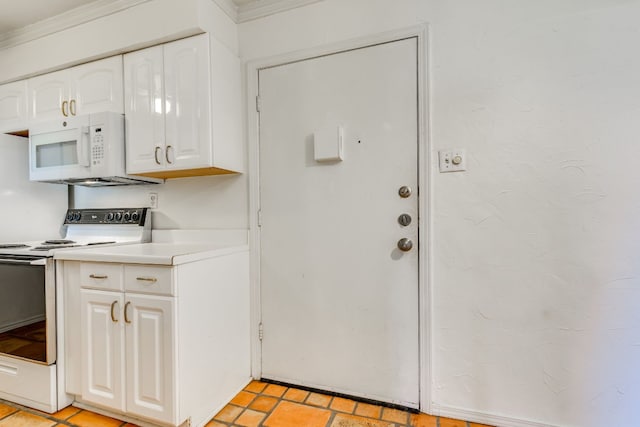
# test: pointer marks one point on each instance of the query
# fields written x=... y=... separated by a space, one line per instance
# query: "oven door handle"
x=42 y=261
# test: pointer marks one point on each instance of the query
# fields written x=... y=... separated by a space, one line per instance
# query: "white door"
x=144 y=110
x=339 y=299
x=102 y=348
x=150 y=358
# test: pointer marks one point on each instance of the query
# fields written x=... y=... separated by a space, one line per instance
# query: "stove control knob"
x=127 y=216
x=76 y=216
x=69 y=216
x=135 y=216
x=118 y=216
x=110 y=216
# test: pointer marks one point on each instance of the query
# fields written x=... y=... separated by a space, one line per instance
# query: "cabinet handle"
x=147 y=279
x=155 y=154
x=98 y=276
x=72 y=107
x=126 y=318
x=166 y=154
x=65 y=108
x=113 y=317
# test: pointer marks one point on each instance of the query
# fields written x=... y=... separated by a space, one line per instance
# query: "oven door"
x=27 y=308
x=60 y=151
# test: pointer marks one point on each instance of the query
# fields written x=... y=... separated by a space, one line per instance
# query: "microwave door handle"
x=83 y=147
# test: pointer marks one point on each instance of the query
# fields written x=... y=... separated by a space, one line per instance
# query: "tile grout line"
x=50 y=417
x=332 y=415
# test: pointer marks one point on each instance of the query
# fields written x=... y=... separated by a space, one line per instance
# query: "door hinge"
x=258 y=104
x=260 y=332
x=260 y=218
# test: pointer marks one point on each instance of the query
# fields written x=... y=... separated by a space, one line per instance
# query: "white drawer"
x=100 y=275
x=149 y=279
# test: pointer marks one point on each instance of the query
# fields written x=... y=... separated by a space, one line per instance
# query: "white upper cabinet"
x=13 y=107
x=187 y=94
x=88 y=88
x=144 y=107
x=98 y=86
x=169 y=105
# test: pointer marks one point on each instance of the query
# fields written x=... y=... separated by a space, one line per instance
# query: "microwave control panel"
x=97 y=146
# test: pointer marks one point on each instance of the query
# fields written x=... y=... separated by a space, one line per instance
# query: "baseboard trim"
x=483 y=417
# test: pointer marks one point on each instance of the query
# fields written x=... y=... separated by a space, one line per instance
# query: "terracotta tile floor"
x=259 y=404
x=270 y=405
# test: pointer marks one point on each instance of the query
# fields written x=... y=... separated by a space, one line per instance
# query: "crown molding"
x=230 y=8
x=63 y=21
x=261 y=8
x=99 y=8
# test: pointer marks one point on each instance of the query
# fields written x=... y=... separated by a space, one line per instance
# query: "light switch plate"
x=453 y=160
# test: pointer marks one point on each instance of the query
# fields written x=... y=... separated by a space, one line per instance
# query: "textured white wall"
x=184 y=203
x=536 y=277
x=28 y=210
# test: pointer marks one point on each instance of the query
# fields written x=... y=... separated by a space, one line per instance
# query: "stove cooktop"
x=90 y=228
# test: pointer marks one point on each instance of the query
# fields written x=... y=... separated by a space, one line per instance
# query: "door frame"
x=425 y=183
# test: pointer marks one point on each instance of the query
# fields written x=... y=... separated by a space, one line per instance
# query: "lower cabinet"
x=127 y=352
x=166 y=345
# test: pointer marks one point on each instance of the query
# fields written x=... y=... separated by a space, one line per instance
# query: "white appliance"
x=29 y=363
x=84 y=150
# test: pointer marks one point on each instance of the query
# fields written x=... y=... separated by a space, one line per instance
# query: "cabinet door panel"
x=187 y=91
x=13 y=106
x=150 y=357
x=97 y=86
x=46 y=95
x=102 y=348
x=144 y=110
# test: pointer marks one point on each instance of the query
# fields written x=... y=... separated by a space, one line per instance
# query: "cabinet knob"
x=155 y=155
x=72 y=107
x=65 y=108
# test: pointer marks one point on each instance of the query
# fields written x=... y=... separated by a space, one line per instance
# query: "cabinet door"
x=97 y=86
x=151 y=361
x=13 y=107
x=47 y=93
x=187 y=92
x=102 y=339
x=144 y=110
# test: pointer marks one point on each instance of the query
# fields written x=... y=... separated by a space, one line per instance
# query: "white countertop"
x=152 y=253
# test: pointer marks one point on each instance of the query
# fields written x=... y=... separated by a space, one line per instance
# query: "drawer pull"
x=98 y=276
x=113 y=317
x=147 y=279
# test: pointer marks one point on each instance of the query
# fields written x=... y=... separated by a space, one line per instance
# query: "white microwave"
x=82 y=150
